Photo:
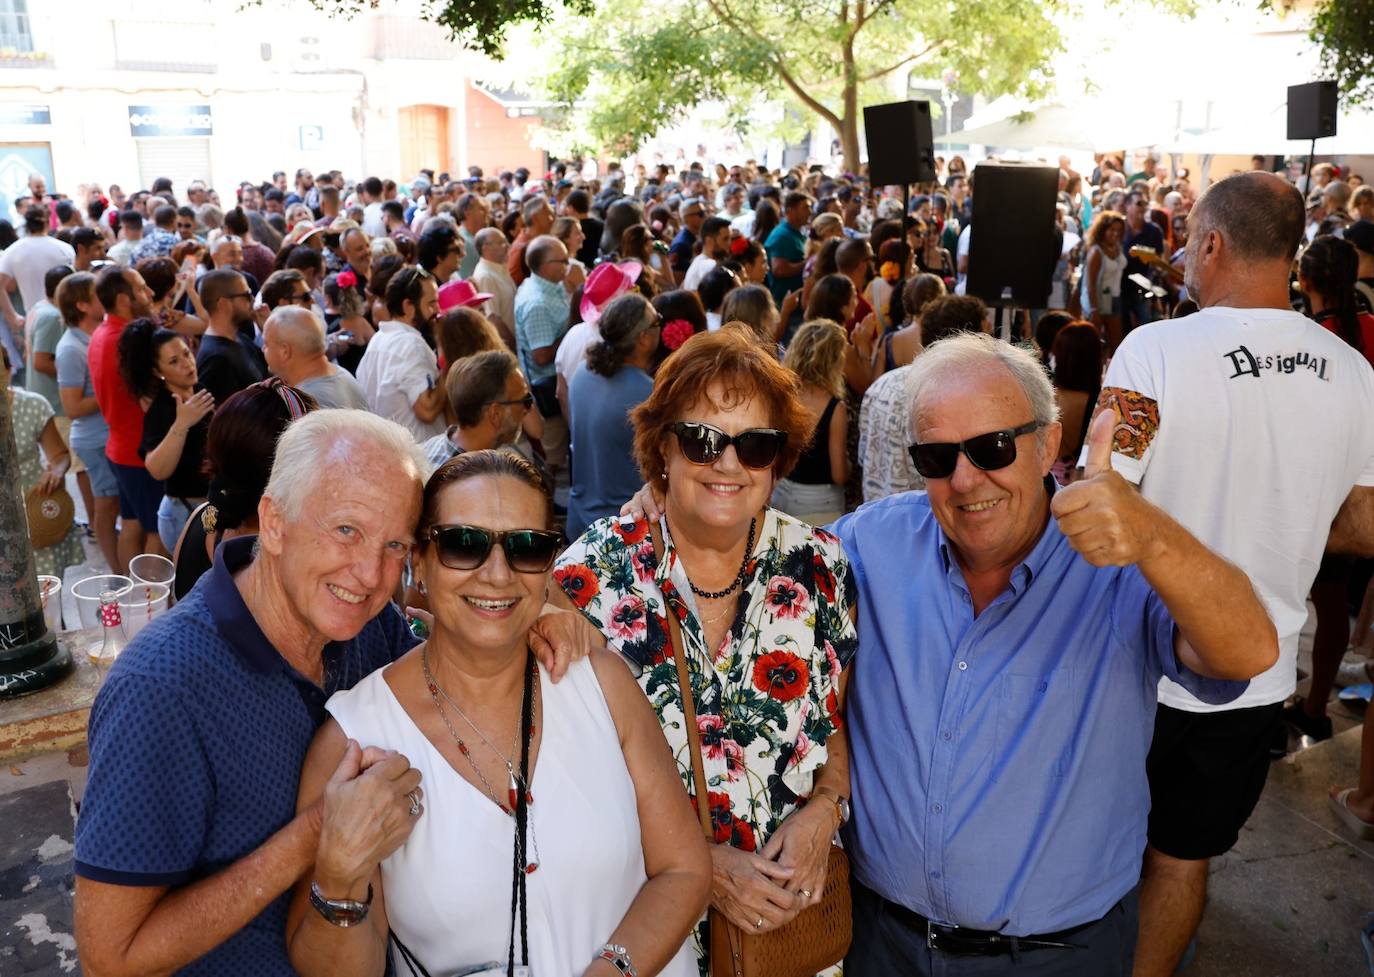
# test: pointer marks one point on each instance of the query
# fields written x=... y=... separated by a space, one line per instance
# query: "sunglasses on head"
x=467 y=547
x=991 y=451
x=702 y=444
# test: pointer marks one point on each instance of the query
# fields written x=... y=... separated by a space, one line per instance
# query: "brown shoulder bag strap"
x=689 y=708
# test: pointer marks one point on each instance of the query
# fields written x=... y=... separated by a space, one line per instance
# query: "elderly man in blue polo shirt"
x=189 y=843
x=1011 y=639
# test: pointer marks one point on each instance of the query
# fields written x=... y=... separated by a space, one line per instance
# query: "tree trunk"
x=849 y=111
x=849 y=142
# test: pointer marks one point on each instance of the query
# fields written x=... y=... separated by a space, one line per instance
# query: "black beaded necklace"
x=739 y=577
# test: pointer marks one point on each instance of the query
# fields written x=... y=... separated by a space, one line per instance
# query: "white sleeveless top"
x=448 y=888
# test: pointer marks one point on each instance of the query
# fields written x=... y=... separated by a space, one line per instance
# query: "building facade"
x=125 y=91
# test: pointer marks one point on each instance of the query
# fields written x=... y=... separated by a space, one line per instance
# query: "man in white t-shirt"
x=1249 y=424
x=399 y=373
x=715 y=247
x=24 y=263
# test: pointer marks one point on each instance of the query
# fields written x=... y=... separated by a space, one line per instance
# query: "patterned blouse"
x=766 y=698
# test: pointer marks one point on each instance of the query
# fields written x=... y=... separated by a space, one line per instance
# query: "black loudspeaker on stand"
x=1013 y=246
x=901 y=146
x=1312 y=115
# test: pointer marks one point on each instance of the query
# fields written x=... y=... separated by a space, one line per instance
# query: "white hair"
x=310 y=442
x=966 y=350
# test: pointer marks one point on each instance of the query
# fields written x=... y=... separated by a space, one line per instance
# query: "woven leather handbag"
x=818 y=937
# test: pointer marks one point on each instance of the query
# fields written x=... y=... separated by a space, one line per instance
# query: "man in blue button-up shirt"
x=1003 y=693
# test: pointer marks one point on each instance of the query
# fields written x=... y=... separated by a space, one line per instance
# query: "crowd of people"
x=724 y=460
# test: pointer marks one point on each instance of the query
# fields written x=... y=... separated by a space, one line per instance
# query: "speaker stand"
x=1311 y=155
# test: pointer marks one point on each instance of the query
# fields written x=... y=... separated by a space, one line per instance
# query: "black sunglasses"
x=467 y=547
x=526 y=401
x=991 y=451
x=702 y=444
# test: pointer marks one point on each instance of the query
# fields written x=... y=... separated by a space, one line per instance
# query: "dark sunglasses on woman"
x=991 y=451
x=467 y=547
x=702 y=444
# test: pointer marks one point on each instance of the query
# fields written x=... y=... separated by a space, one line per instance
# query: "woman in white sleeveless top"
x=527 y=848
x=1100 y=291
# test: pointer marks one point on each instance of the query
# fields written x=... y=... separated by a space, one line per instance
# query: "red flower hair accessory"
x=738 y=246
x=676 y=332
x=346 y=279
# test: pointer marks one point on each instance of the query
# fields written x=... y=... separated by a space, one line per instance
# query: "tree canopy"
x=1344 y=33
x=635 y=66
x=479 y=25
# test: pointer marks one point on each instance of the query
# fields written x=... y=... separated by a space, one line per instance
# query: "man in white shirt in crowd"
x=399 y=373
x=24 y=263
x=293 y=343
x=715 y=247
x=1249 y=424
x=493 y=277
x=130 y=236
x=370 y=196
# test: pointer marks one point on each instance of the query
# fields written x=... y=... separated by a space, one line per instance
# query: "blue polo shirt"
x=197 y=740
x=998 y=762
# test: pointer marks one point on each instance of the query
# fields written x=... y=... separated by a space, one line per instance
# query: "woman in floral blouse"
x=765 y=605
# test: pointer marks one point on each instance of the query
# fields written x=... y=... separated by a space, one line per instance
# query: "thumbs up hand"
x=1099 y=443
x=1103 y=516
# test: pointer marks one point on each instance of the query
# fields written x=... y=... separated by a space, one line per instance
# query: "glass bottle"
x=112 y=634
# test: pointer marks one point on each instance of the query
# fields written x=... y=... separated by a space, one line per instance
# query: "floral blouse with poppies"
x=766 y=698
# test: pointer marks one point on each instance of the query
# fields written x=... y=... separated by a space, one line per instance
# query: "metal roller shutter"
x=182 y=160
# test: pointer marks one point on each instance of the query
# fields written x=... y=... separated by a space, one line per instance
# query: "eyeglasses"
x=303 y=299
x=240 y=295
x=467 y=547
x=702 y=444
x=991 y=451
x=527 y=401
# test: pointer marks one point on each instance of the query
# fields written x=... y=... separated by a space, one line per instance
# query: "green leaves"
x=479 y=25
x=637 y=67
x=1344 y=30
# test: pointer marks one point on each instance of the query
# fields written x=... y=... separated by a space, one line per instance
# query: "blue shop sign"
x=24 y=115
x=170 y=120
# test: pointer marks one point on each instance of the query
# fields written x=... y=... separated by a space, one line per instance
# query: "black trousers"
x=884 y=945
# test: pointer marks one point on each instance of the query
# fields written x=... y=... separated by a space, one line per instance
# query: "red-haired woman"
x=764 y=605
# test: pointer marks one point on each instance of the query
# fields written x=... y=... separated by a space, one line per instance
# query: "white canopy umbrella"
x=1267 y=134
x=1088 y=125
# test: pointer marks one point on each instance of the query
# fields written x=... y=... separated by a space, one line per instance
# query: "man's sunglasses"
x=467 y=547
x=526 y=401
x=991 y=451
x=702 y=444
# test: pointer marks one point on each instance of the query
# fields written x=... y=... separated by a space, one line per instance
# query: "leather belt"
x=959 y=941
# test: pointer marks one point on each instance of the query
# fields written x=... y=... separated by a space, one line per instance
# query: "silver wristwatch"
x=341 y=912
x=619 y=958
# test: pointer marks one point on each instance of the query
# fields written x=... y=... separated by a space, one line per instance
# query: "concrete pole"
x=30 y=658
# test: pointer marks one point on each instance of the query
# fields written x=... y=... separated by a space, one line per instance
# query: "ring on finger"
x=806 y=893
x=414 y=797
x=758 y=923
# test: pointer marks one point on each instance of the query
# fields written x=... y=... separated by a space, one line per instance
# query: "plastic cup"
x=149 y=568
x=140 y=604
x=50 y=594
x=87 y=593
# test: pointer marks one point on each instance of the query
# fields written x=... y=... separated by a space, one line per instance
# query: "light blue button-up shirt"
x=998 y=763
x=541 y=314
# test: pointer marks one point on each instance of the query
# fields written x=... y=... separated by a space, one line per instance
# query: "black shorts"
x=1207 y=770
